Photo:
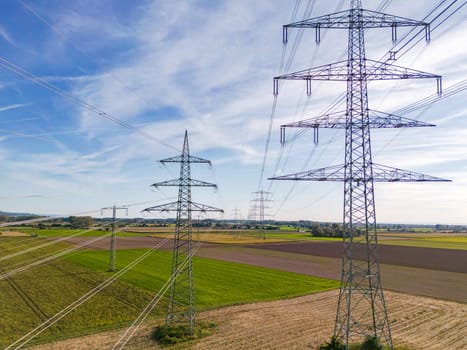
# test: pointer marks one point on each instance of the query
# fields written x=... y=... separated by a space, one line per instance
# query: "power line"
x=130 y=331
x=19 y=343
x=39 y=81
x=433 y=98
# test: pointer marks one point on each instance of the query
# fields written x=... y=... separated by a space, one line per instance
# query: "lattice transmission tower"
x=113 y=237
x=181 y=308
x=361 y=309
x=260 y=206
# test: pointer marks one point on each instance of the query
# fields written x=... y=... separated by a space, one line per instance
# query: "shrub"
x=172 y=334
x=371 y=343
x=334 y=344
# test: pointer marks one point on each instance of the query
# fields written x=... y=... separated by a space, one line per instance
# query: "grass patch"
x=64 y=232
x=217 y=283
x=173 y=334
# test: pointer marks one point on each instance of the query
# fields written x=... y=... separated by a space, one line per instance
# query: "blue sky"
x=207 y=66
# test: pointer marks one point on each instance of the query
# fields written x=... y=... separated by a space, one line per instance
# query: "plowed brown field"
x=304 y=323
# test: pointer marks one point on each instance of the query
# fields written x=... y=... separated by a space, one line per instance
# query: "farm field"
x=406 y=269
x=423 y=240
x=218 y=283
x=420 y=281
x=224 y=238
x=303 y=323
x=225 y=274
x=444 y=241
x=437 y=259
x=29 y=298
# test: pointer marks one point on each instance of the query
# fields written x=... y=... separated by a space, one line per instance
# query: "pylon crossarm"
x=204 y=208
x=381 y=173
x=332 y=173
x=338 y=120
x=377 y=120
x=384 y=173
x=375 y=70
x=345 y=20
x=185 y=158
x=163 y=207
x=368 y=19
x=193 y=207
x=338 y=71
x=178 y=182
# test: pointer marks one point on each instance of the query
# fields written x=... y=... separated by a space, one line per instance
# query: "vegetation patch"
x=173 y=334
x=370 y=343
x=218 y=283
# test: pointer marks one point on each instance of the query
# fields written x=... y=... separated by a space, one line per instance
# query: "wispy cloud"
x=13 y=106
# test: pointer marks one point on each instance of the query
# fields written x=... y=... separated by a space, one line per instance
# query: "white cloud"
x=207 y=67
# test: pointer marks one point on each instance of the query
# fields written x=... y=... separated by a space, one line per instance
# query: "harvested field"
x=304 y=323
x=13 y=234
x=427 y=258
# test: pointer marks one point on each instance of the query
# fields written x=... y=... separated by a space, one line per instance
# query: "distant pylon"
x=236 y=214
x=361 y=307
x=113 y=238
x=181 y=308
x=261 y=198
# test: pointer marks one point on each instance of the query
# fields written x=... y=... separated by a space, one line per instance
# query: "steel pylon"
x=113 y=237
x=261 y=198
x=361 y=309
x=181 y=307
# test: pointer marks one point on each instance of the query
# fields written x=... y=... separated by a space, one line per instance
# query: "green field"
x=61 y=232
x=34 y=295
x=426 y=241
x=218 y=283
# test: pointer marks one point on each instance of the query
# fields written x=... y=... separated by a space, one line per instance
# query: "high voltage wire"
x=50 y=258
x=297 y=40
x=130 y=331
x=41 y=261
x=449 y=92
x=64 y=238
x=431 y=99
x=13 y=255
x=19 y=343
x=78 y=100
x=39 y=81
x=308 y=10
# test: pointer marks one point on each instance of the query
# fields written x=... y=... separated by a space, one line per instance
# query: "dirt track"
x=303 y=323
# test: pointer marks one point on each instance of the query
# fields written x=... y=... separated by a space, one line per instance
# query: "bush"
x=172 y=334
x=371 y=343
x=334 y=344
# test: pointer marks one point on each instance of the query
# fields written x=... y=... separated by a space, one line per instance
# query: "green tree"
x=81 y=221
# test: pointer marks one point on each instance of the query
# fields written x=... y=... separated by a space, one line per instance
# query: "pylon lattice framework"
x=181 y=307
x=259 y=201
x=361 y=309
x=113 y=237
